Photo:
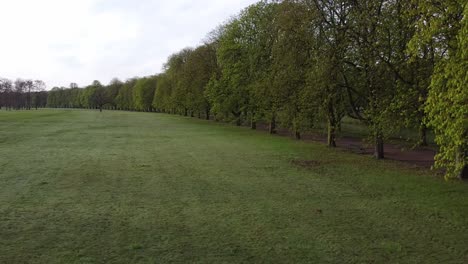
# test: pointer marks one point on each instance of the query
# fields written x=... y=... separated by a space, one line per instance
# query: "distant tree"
x=162 y=100
x=38 y=97
x=113 y=90
x=98 y=96
x=53 y=99
x=75 y=100
x=2 y=94
x=144 y=94
x=124 y=99
x=200 y=66
x=175 y=70
x=19 y=90
x=7 y=94
x=73 y=85
x=85 y=97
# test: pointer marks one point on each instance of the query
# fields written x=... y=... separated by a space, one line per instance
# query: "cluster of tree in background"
x=134 y=95
x=22 y=94
x=305 y=63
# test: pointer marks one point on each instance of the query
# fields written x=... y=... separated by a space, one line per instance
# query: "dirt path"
x=420 y=157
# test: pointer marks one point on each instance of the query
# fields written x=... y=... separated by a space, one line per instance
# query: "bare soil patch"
x=419 y=157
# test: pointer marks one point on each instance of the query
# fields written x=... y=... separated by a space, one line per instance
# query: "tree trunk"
x=331 y=138
x=253 y=122
x=379 y=147
x=464 y=173
x=238 y=121
x=422 y=136
x=237 y=115
x=207 y=114
x=297 y=134
x=272 y=129
x=185 y=112
x=331 y=131
x=100 y=109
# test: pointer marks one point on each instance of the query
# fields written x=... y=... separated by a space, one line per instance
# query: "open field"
x=125 y=187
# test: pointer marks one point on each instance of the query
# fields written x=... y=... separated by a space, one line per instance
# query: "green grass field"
x=123 y=187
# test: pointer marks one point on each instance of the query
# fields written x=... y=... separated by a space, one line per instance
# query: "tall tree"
x=291 y=60
x=144 y=94
x=175 y=69
x=162 y=100
x=229 y=95
x=6 y=93
x=444 y=26
x=200 y=66
x=95 y=96
x=259 y=34
x=113 y=90
x=37 y=98
x=327 y=77
x=124 y=99
x=372 y=85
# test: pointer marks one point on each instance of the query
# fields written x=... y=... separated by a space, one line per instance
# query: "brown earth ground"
x=420 y=157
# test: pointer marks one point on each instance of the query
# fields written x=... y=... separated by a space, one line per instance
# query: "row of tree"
x=305 y=63
x=135 y=94
x=388 y=63
x=22 y=94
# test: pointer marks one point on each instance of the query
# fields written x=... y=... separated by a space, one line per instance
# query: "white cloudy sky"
x=63 y=41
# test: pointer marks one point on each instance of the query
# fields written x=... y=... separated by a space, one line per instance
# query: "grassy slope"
x=90 y=187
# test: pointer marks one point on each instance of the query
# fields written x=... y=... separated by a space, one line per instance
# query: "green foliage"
x=86 y=97
x=124 y=98
x=327 y=77
x=230 y=92
x=447 y=104
x=113 y=90
x=291 y=60
x=65 y=98
x=372 y=58
x=144 y=94
x=181 y=94
x=259 y=33
x=163 y=95
x=200 y=66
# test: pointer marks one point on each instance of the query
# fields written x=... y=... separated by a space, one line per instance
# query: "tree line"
x=300 y=64
x=22 y=94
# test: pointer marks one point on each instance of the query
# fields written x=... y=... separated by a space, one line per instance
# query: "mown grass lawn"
x=122 y=187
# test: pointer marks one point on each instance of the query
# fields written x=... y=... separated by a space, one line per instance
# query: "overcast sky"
x=63 y=41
